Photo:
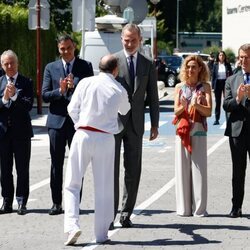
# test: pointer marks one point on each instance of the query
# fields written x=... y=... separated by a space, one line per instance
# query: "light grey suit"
x=145 y=93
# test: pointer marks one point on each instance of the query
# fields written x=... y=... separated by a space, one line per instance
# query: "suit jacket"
x=1 y=71
x=145 y=91
x=17 y=112
x=229 y=72
x=50 y=90
x=236 y=113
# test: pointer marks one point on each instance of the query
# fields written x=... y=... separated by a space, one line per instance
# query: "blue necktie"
x=132 y=72
x=67 y=68
x=247 y=80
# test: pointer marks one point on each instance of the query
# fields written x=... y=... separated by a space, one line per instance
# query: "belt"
x=92 y=129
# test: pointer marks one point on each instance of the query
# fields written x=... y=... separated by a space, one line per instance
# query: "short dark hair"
x=244 y=47
x=133 y=28
x=64 y=37
x=108 y=63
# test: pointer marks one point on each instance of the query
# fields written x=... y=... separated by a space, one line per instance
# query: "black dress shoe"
x=216 y=122
x=22 y=210
x=6 y=208
x=235 y=213
x=126 y=222
x=56 y=209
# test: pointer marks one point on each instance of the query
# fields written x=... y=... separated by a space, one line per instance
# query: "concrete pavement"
x=156 y=225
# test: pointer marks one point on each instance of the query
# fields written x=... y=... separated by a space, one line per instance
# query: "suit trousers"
x=191 y=177
x=132 y=143
x=58 y=140
x=218 y=91
x=239 y=146
x=20 y=150
x=98 y=149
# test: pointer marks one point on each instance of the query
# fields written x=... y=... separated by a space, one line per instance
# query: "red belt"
x=92 y=129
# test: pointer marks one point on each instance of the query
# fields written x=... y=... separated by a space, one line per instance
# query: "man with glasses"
x=237 y=106
x=59 y=82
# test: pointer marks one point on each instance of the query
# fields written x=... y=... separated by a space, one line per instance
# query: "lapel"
x=74 y=66
x=138 y=74
x=18 y=80
x=74 y=71
x=60 y=69
x=3 y=84
x=239 y=80
x=124 y=64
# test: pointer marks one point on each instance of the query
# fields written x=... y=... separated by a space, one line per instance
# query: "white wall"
x=235 y=23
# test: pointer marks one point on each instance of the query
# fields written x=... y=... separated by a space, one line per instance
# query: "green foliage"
x=17 y=37
x=215 y=49
x=230 y=55
x=194 y=15
x=61 y=15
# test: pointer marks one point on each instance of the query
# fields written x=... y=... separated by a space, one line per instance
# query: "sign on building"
x=44 y=14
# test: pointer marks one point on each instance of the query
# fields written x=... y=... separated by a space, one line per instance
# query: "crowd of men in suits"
x=60 y=80
x=126 y=70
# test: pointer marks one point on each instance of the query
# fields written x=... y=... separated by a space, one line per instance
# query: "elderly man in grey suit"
x=237 y=106
x=137 y=74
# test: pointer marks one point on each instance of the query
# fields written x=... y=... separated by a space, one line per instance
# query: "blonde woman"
x=193 y=103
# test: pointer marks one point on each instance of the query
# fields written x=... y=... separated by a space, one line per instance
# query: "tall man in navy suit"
x=237 y=106
x=140 y=80
x=16 y=100
x=59 y=82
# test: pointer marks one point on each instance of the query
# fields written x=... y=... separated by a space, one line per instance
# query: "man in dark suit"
x=237 y=106
x=59 y=81
x=139 y=79
x=16 y=100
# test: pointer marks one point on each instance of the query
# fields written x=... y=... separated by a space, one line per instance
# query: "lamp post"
x=39 y=17
x=154 y=2
x=177 y=25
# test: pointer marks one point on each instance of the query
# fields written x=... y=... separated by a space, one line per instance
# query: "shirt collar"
x=128 y=55
x=71 y=62
x=14 y=76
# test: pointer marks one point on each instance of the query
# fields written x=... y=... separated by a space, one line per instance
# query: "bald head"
x=108 y=63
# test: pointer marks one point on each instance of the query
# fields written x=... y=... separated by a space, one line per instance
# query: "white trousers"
x=191 y=177
x=98 y=149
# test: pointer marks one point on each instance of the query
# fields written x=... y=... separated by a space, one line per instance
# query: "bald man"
x=94 y=109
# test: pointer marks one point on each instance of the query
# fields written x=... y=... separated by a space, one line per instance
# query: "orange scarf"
x=183 y=129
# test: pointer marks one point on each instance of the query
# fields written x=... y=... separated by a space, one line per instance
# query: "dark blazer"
x=145 y=90
x=236 y=114
x=50 y=89
x=18 y=112
x=1 y=71
x=229 y=72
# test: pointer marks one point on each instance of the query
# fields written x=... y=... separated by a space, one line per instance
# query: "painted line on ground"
x=157 y=195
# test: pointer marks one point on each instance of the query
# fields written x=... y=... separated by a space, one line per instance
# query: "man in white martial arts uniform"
x=94 y=110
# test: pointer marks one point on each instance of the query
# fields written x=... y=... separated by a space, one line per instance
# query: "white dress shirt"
x=97 y=101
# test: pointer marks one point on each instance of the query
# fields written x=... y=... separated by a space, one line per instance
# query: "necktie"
x=132 y=72
x=247 y=80
x=11 y=80
x=67 y=68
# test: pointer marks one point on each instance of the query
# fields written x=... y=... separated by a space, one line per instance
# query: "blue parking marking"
x=166 y=128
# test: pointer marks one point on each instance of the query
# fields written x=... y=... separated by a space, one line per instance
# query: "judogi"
x=94 y=110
